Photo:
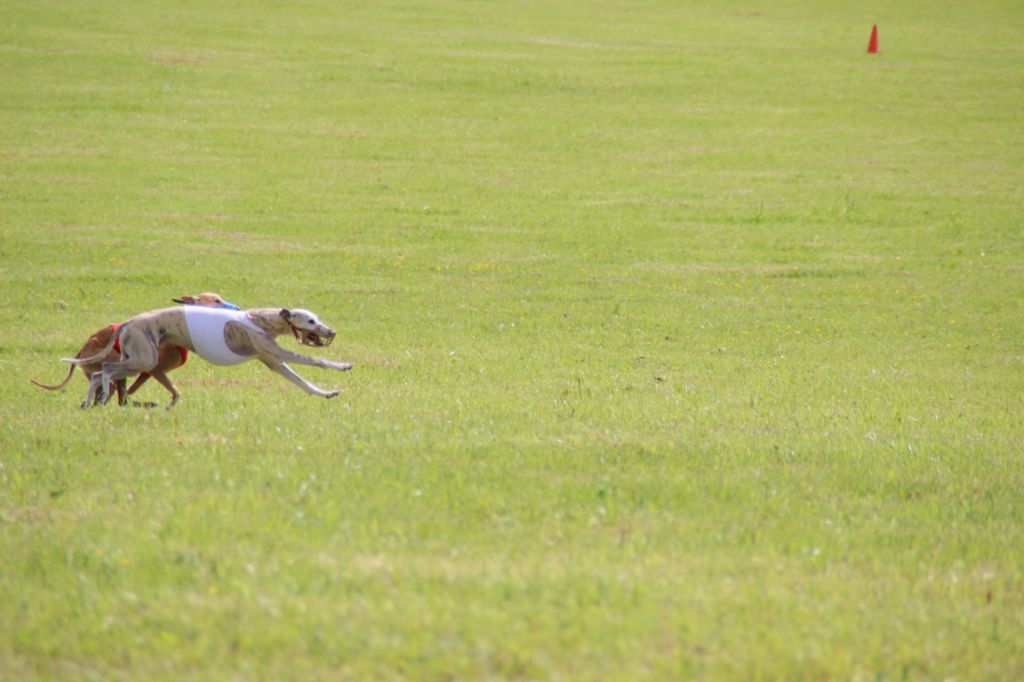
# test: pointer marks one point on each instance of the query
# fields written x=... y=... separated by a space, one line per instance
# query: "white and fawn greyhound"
x=170 y=357
x=221 y=337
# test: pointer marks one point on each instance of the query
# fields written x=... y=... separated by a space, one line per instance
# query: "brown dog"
x=170 y=357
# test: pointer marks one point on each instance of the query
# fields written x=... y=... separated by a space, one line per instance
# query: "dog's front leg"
x=165 y=381
x=287 y=372
x=284 y=355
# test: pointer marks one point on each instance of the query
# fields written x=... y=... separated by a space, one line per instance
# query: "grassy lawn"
x=689 y=340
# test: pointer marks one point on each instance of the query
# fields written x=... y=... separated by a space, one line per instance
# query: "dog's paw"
x=343 y=366
x=331 y=394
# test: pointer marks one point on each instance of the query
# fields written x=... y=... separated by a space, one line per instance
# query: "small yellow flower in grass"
x=213 y=589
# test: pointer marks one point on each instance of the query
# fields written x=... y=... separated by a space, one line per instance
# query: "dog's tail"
x=92 y=359
x=58 y=386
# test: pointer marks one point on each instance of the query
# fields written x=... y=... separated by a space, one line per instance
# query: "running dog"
x=169 y=358
x=221 y=337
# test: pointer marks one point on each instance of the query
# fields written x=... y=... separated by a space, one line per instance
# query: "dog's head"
x=308 y=330
x=208 y=299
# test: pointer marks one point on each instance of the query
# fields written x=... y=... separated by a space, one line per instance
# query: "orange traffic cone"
x=873 y=43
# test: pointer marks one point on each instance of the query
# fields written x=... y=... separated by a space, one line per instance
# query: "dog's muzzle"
x=321 y=336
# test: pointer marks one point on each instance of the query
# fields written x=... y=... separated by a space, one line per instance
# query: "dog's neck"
x=269 y=320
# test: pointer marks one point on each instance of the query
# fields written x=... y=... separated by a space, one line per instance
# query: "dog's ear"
x=285 y=313
x=185 y=300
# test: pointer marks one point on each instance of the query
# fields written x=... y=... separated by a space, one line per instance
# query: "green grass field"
x=689 y=340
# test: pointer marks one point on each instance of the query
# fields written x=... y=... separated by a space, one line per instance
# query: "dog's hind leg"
x=286 y=371
x=95 y=389
x=112 y=376
x=138 y=354
x=119 y=387
x=96 y=394
x=116 y=372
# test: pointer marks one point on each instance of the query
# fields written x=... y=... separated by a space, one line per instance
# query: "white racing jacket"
x=206 y=327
